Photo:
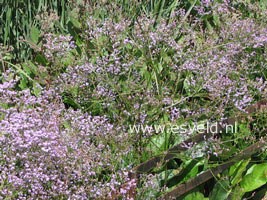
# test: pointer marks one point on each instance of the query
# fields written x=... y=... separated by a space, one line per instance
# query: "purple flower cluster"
x=75 y=77
x=108 y=27
x=223 y=68
x=57 y=46
x=49 y=152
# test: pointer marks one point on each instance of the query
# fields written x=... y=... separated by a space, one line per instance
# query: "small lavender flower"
x=175 y=113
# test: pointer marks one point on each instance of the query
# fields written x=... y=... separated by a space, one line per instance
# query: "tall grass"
x=17 y=19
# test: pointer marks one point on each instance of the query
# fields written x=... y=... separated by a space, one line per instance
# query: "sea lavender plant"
x=50 y=152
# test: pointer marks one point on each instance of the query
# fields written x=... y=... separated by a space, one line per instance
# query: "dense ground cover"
x=89 y=90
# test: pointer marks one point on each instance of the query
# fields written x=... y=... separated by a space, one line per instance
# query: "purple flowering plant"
x=65 y=116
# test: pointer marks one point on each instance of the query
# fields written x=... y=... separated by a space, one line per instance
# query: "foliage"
x=100 y=99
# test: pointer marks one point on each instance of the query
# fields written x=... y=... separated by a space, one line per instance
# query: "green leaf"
x=69 y=100
x=128 y=46
x=236 y=193
x=68 y=60
x=34 y=68
x=206 y=20
x=195 y=196
x=159 y=68
x=75 y=22
x=187 y=86
x=138 y=53
x=37 y=89
x=157 y=143
x=29 y=68
x=190 y=170
x=41 y=60
x=256 y=177
x=95 y=108
x=236 y=171
x=7 y=56
x=26 y=68
x=23 y=84
x=216 y=20
x=34 y=35
x=220 y=191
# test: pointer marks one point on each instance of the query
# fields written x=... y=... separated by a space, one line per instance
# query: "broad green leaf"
x=165 y=57
x=236 y=193
x=238 y=170
x=37 y=89
x=75 y=22
x=26 y=68
x=34 y=35
x=190 y=170
x=138 y=53
x=157 y=143
x=216 y=20
x=34 y=68
x=220 y=191
x=195 y=196
x=41 y=59
x=256 y=177
x=23 y=83
x=193 y=172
